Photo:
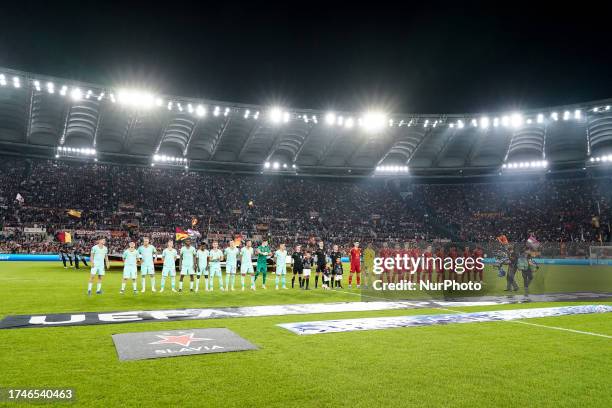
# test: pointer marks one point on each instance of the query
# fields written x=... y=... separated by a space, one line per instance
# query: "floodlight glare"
x=540 y=118
x=76 y=94
x=330 y=118
x=374 y=121
x=136 y=99
x=276 y=165
x=267 y=165
x=200 y=111
x=517 y=120
x=484 y=122
x=276 y=115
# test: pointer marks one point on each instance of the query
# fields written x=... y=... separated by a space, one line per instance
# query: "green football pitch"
x=502 y=364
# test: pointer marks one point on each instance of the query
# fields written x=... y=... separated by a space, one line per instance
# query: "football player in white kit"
x=130 y=267
x=215 y=256
x=169 y=256
x=147 y=254
x=202 y=256
x=231 y=261
x=246 y=263
x=187 y=261
x=99 y=260
x=281 y=265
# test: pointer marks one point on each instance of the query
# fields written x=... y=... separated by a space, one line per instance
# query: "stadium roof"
x=42 y=115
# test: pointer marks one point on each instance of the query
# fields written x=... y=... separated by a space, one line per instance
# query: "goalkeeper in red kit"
x=355 y=258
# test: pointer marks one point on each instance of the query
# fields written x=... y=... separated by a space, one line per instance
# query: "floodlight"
x=76 y=94
x=374 y=121
x=200 y=111
x=276 y=115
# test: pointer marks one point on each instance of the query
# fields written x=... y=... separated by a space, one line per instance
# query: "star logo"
x=182 y=340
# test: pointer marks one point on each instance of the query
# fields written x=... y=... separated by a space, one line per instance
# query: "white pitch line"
x=561 y=328
x=509 y=321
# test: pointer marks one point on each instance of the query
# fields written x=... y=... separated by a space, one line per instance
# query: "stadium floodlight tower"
x=279 y=167
x=170 y=161
x=76 y=152
x=391 y=170
x=533 y=165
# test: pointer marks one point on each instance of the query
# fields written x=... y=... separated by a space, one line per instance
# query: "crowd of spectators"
x=140 y=201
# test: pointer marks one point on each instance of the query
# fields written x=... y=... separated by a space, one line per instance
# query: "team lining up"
x=206 y=263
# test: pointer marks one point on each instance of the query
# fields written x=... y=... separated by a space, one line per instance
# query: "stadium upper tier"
x=47 y=116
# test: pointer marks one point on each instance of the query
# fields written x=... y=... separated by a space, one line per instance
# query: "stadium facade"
x=45 y=117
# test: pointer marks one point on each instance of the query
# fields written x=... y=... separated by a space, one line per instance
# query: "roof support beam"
x=304 y=140
x=252 y=133
x=65 y=129
x=97 y=128
x=328 y=148
x=128 y=131
x=193 y=129
x=29 y=118
x=220 y=134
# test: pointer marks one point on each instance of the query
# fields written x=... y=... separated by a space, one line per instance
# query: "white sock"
x=181 y=285
x=99 y=286
x=153 y=282
x=89 y=285
x=190 y=285
x=172 y=282
x=144 y=283
x=134 y=284
x=197 y=284
x=122 y=286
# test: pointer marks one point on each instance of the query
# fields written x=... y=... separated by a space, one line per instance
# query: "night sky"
x=435 y=59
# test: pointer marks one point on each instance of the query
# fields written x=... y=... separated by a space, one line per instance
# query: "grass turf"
x=477 y=364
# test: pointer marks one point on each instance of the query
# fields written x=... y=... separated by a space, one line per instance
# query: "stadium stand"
x=142 y=200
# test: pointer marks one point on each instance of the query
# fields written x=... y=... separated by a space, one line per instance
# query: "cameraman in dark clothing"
x=65 y=256
x=78 y=256
x=513 y=258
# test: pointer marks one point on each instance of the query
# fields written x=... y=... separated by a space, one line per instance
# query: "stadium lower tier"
x=42 y=198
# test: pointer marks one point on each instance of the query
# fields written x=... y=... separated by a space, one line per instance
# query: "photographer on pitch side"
x=513 y=258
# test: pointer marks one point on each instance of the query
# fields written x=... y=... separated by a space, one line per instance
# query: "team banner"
x=134 y=316
x=380 y=323
x=89 y=318
x=174 y=343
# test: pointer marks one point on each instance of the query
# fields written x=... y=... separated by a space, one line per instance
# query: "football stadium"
x=167 y=250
